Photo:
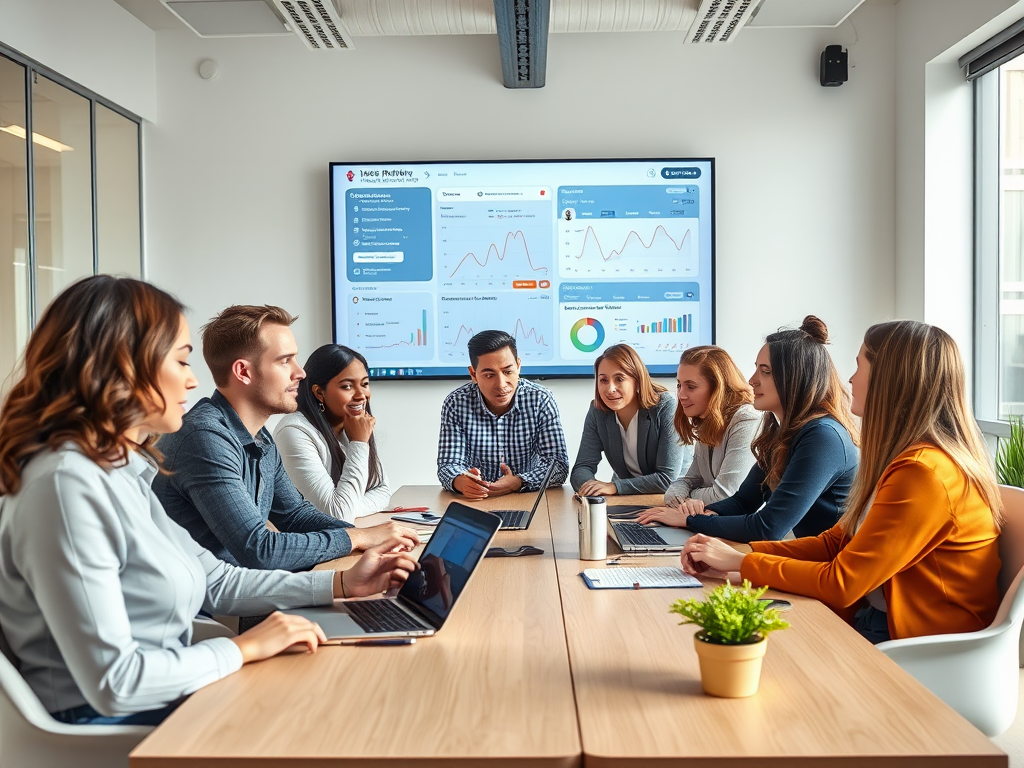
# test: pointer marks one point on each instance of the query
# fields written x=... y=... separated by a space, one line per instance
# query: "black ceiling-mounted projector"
x=834 y=66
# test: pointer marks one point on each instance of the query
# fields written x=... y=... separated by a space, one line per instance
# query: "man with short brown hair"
x=226 y=478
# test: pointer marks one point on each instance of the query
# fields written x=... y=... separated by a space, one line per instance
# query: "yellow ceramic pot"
x=729 y=671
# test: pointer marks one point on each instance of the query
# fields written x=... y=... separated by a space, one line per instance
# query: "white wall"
x=96 y=43
x=236 y=171
x=934 y=150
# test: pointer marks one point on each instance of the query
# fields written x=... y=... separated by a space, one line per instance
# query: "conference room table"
x=535 y=669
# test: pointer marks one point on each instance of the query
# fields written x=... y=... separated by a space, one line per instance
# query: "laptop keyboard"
x=638 y=535
x=381 y=616
x=512 y=518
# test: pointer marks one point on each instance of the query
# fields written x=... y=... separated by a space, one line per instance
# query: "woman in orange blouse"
x=915 y=552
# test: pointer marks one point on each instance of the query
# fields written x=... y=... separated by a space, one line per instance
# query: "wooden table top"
x=493 y=684
x=498 y=684
x=826 y=695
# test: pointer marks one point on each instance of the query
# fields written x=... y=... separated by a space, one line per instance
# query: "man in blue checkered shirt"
x=499 y=434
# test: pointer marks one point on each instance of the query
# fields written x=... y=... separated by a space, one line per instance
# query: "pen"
x=379 y=641
x=473 y=476
x=411 y=509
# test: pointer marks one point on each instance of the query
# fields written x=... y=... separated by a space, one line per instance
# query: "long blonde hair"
x=917 y=393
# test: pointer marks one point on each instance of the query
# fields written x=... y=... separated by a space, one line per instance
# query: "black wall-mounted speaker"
x=834 y=66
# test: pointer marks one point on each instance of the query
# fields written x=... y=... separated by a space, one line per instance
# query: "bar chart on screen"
x=393 y=326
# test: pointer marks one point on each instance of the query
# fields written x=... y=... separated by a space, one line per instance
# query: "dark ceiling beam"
x=523 y=41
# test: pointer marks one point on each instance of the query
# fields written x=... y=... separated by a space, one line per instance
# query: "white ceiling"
x=390 y=17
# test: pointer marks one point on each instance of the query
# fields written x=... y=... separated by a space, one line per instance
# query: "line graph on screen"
x=629 y=247
x=527 y=318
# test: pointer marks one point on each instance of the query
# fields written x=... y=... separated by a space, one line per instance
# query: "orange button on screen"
x=524 y=283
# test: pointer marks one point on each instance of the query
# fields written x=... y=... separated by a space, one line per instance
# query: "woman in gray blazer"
x=631 y=422
x=715 y=414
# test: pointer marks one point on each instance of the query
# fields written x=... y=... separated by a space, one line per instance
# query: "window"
x=999 y=216
x=70 y=200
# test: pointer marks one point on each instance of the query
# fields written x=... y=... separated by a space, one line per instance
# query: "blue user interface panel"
x=568 y=257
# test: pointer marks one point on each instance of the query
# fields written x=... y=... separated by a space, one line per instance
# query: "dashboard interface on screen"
x=569 y=257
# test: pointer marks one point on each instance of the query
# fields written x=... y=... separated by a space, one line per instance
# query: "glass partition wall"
x=70 y=199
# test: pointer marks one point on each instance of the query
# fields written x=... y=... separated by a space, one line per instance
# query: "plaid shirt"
x=528 y=437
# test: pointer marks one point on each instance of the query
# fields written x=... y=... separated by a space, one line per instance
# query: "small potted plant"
x=735 y=624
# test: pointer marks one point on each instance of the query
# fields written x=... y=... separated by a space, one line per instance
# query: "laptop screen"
x=448 y=560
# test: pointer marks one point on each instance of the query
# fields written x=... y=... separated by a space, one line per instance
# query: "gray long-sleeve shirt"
x=224 y=486
x=716 y=474
x=98 y=588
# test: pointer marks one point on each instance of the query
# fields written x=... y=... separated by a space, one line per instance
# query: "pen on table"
x=379 y=641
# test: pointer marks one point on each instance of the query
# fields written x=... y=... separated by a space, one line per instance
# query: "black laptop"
x=426 y=599
x=520 y=519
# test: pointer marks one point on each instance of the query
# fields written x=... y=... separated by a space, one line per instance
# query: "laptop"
x=636 y=539
x=520 y=519
x=427 y=598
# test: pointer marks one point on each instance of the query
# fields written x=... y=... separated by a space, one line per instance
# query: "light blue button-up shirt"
x=98 y=588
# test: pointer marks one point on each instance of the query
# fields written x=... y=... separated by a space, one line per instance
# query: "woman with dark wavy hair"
x=806 y=452
x=327 y=446
x=98 y=587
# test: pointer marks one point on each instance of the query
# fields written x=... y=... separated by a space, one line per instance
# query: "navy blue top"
x=808 y=499
x=225 y=485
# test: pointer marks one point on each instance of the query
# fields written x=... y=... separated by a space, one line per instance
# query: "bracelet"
x=342 y=577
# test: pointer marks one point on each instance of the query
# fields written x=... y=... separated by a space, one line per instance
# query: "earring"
x=322 y=409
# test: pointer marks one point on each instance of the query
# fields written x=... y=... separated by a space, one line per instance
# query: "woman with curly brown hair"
x=98 y=587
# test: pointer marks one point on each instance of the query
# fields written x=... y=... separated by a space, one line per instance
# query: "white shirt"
x=307 y=460
x=98 y=588
x=629 y=437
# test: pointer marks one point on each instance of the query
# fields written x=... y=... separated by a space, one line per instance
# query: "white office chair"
x=31 y=738
x=977 y=673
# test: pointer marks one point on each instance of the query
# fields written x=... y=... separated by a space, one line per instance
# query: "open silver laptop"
x=636 y=539
x=427 y=598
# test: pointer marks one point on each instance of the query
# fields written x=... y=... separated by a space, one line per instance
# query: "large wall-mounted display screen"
x=569 y=257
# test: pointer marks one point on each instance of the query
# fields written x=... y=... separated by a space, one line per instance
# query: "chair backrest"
x=14 y=688
x=1011 y=539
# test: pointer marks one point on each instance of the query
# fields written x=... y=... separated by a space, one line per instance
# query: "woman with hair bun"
x=916 y=551
x=806 y=452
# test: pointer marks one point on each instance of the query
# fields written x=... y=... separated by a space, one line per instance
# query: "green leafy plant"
x=731 y=615
x=1010 y=456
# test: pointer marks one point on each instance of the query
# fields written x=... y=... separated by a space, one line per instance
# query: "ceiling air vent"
x=317 y=23
x=719 y=21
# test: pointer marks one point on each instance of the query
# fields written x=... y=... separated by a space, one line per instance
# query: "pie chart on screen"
x=587 y=327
